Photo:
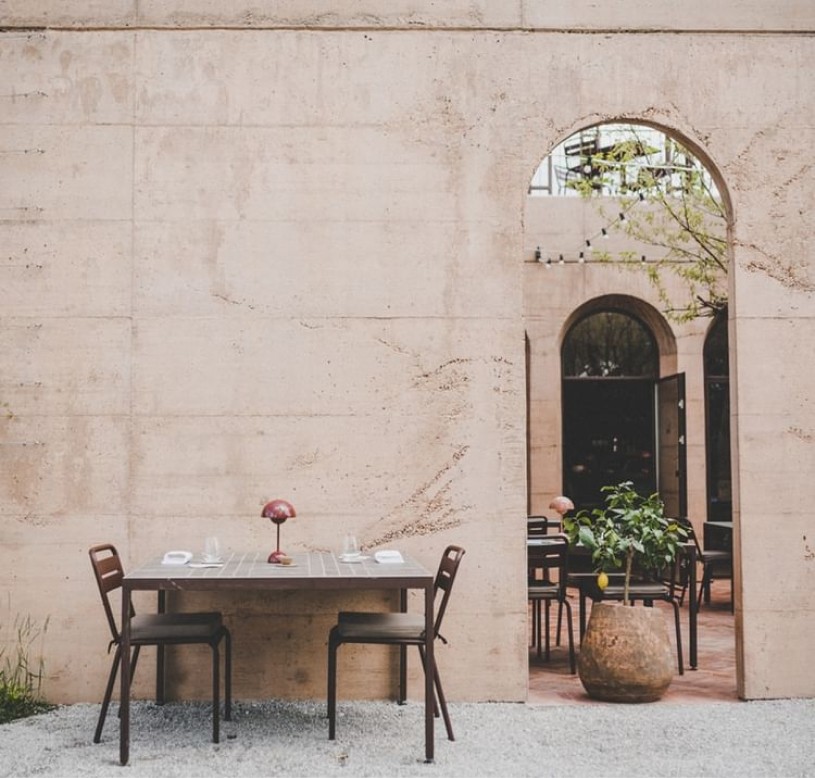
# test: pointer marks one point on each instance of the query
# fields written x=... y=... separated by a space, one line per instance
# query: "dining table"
x=308 y=571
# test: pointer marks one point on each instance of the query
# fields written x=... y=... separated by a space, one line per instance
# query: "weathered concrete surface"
x=250 y=264
x=744 y=15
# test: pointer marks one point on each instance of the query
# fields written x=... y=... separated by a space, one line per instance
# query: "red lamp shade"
x=278 y=511
x=562 y=505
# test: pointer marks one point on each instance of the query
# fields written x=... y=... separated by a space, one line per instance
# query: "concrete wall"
x=279 y=262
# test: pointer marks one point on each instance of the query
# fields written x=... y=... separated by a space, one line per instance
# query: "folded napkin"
x=388 y=556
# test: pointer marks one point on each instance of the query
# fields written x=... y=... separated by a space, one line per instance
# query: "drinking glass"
x=350 y=548
x=212 y=549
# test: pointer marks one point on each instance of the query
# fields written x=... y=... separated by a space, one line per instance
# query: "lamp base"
x=275 y=556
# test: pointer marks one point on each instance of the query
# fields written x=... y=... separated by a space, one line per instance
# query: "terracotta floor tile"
x=714 y=680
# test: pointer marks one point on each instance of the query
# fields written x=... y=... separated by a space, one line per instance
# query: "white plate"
x=350 y=560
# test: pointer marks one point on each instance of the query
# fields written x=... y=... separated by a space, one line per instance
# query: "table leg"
x=430 y=673
x=124 y=671
x=693 y=609
x=403 y=603
x=161 y=607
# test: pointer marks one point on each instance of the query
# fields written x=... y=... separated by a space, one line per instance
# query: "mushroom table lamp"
x=562 y=505
x=278 y=511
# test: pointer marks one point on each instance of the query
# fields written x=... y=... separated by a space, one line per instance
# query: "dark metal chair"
x=394 y=629
x=547 y=555
x=536 y=526
x=716 y=564
x=160 y=629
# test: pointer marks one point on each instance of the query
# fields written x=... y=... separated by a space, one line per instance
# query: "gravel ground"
x=768 y=738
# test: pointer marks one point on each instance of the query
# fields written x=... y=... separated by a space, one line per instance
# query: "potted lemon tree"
x=625 y=654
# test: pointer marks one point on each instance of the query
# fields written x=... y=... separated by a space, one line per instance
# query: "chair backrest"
x=681 y=577
x=552 y=554
x=445 y=577
x=537 y=526
x=686 y=524
x=107 y=568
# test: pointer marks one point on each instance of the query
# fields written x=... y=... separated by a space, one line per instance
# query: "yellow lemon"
x=602 y=581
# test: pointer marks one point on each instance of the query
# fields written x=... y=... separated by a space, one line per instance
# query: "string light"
x=582 y=259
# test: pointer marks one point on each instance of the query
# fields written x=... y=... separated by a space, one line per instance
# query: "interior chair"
x=159 y=629
x=395 y=629
x=643 y=588
x=716 y=564
x=548 y=568
x=540 y=525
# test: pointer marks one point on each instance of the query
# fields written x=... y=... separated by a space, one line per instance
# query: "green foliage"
x=630 y=529
x=20 y=679
x=684 y=219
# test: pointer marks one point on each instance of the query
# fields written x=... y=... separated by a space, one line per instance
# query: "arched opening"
x=616 y=365
x=609 y=364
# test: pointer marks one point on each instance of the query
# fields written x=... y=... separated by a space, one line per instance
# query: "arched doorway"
x=607 y=356
x=621 y=421
x=609 y=363
x=581 y=205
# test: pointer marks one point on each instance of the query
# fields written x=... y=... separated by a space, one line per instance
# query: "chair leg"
x=678 y=638
x=546 y=629
x=559 y=622
x=133 y=664
x=704 y=587
x=439 y=700
x=333 y=645
x=443 y=705
x=97 y=737
x=216 y=690
x=161 y=690
x=402 y=675
x=134 y=661
x=228 y=674
x=569 y=626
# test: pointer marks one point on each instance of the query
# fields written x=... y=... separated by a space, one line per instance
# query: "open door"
x=672 y=475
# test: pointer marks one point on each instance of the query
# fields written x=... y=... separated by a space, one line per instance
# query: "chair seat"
x=543 y=591
x=638 y=591
x=713 y=556
x=353 y=626
x=175 y=627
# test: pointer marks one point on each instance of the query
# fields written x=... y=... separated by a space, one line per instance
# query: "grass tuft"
x=21 y=677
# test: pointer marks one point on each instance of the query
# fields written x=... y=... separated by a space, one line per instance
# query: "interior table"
x=310 y=571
